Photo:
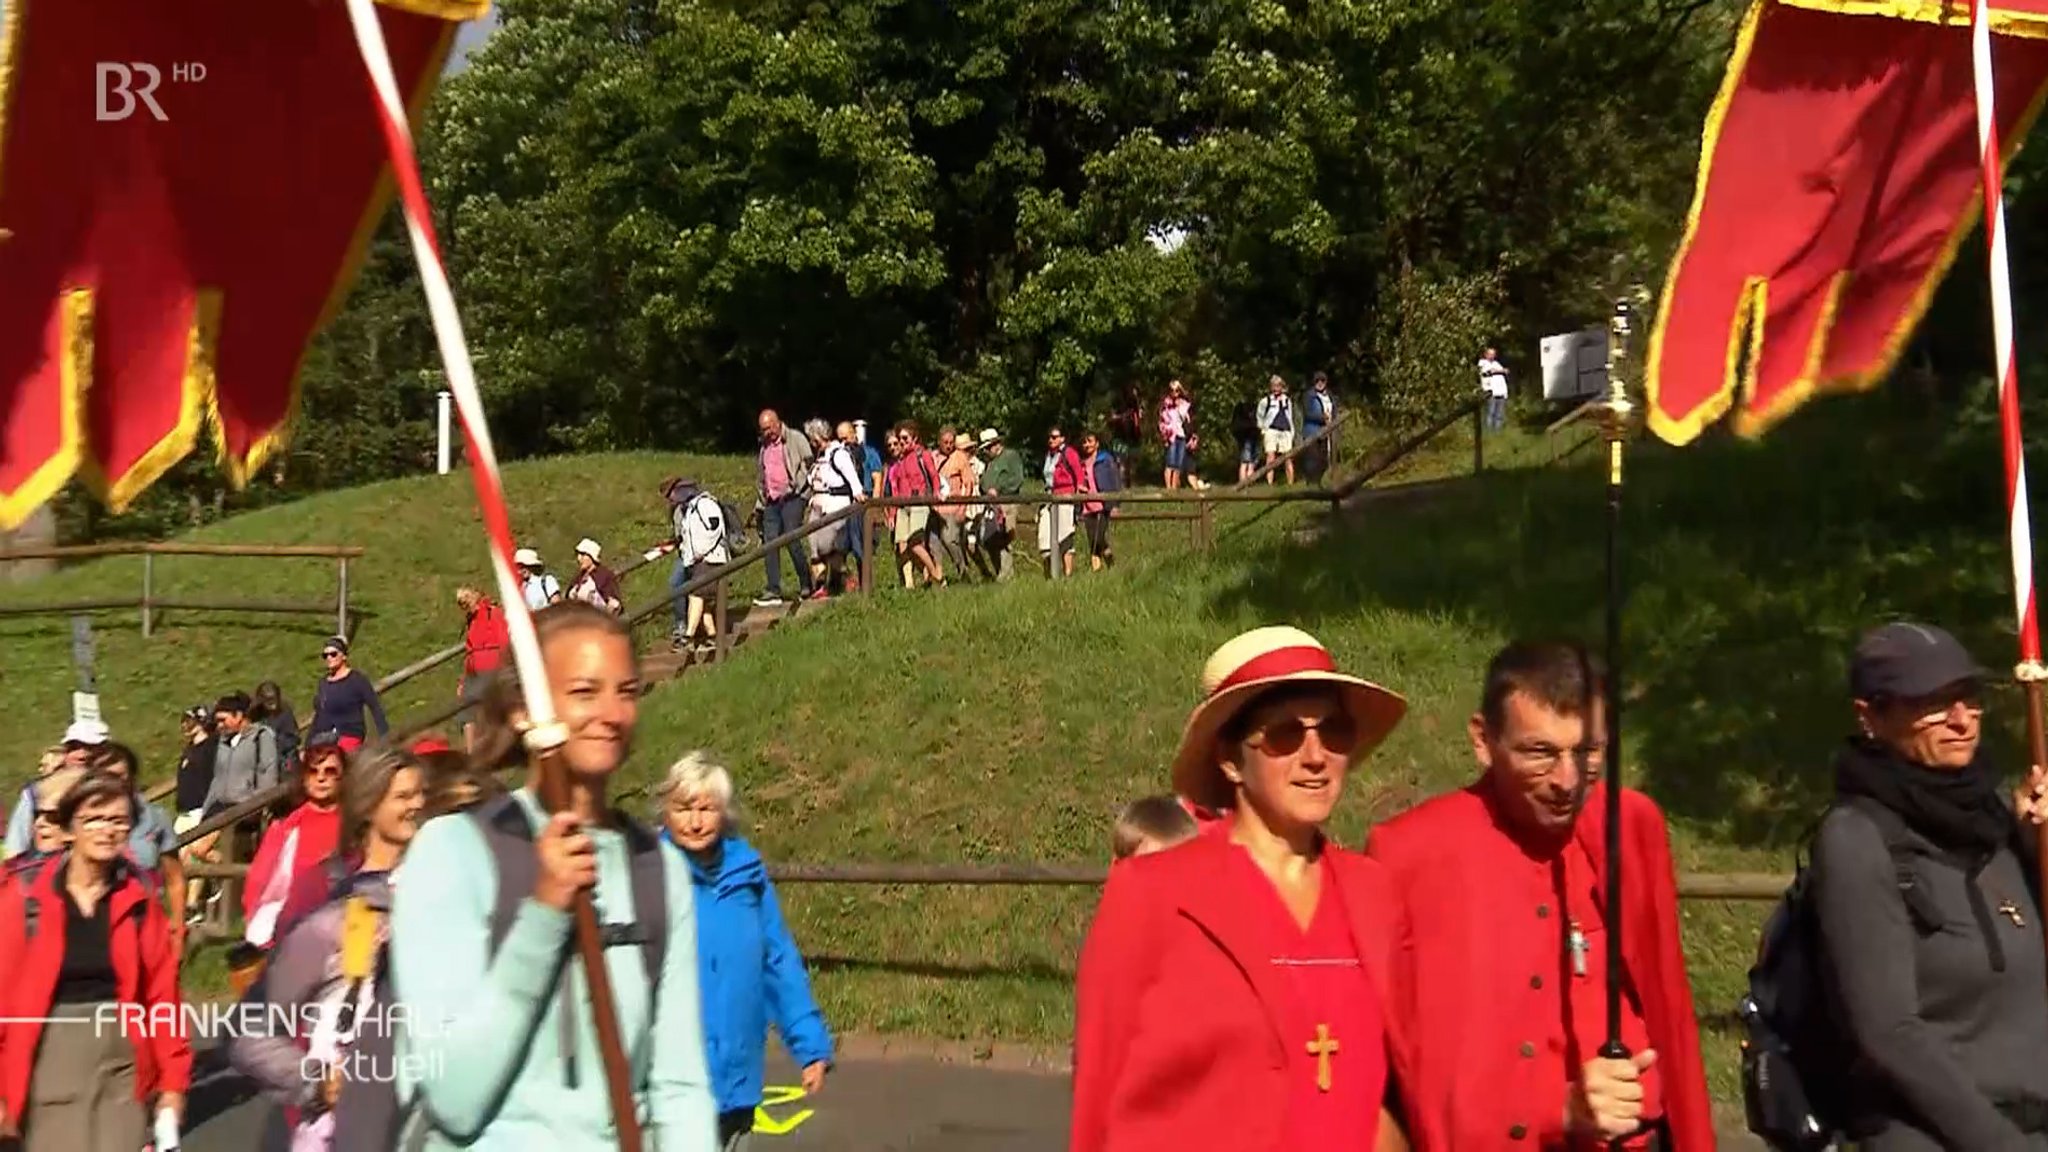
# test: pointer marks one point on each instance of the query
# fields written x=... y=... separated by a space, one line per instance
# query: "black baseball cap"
x=1907 y=660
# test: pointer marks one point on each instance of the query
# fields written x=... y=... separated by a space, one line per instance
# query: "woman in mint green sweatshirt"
x=498 y=1052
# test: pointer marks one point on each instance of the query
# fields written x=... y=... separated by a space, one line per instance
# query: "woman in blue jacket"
x=747 y=965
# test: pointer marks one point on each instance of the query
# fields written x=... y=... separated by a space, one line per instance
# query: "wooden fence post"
x=341 y=601
x=868 y=515
x=1055 y=566
x=1479 y=439
x=718 y=617
x=148 y=591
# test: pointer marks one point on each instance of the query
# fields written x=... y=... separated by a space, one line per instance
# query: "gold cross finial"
x=1322 y=1048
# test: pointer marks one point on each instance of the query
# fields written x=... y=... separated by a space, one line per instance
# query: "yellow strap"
x=359 y=924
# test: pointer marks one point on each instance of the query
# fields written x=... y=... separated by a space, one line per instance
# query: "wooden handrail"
x=1406 y=448
x=1691 y=885
x=166 y=548
x=1299 y=449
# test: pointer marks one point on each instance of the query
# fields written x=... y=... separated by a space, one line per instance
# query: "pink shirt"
x=775 y=470
x=1173 y=418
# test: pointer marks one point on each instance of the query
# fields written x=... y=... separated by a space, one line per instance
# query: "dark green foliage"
x=662 y=216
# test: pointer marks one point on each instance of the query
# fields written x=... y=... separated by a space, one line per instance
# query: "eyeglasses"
x=322 y=771
x=1939 y=710
x=330 y=654
x=1546 y=757
x=106 y=823
x=1339 y=736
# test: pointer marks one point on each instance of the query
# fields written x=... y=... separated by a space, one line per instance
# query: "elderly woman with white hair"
x=835 y=485
x=748 y=967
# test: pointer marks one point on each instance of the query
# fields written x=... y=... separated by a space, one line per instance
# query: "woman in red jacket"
x=1230 y=991
x=298 y=842
x=82 y=937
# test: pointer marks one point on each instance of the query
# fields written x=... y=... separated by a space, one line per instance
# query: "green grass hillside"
x=422 y=537
x=1009 y=724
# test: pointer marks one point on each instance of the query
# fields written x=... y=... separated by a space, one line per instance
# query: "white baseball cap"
x=590 y=548
x=87 y=732
x=526 y=558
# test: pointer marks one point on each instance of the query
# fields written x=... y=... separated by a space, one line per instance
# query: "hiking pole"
x=2030 y=672
x=1614 y=424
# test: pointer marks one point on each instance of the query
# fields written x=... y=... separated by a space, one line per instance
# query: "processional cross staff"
x=1616 y=412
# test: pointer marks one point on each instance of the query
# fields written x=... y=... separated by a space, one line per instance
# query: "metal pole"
x=148 y=586
x=444 y=403
x=1616 y=412
x=341 y=602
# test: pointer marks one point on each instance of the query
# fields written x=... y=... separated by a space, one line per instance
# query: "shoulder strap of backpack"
x=650 y=899
x=509 y=835
x=31 y=901
x=1899 y=843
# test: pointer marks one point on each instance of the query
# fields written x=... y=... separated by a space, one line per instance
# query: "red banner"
x=1838 y=177
x=185 y=193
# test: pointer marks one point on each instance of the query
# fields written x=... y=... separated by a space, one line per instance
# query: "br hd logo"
x=122 y=86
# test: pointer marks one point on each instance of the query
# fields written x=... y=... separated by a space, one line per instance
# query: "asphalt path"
x=886 y=1105
x=868 y=1105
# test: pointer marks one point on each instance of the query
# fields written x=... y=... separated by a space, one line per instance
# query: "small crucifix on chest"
x=1575 y=942
x=1322 y=1048
x=2011 y=911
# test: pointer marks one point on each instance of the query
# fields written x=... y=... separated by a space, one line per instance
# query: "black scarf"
x=1960 y=810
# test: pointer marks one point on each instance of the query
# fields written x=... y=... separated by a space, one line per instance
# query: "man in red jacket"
x=1503 y=882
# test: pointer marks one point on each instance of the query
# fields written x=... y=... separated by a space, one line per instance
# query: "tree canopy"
x=664 y=214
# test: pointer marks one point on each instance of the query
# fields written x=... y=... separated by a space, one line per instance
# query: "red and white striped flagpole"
x=547 y=734
x=2030 y=671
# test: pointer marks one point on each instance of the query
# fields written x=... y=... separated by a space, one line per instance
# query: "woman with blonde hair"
x=748 y=964
x=502 y=1056
x=330 y=969
x=1230 y=990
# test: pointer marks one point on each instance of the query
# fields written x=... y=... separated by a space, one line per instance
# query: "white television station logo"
x=136 y=83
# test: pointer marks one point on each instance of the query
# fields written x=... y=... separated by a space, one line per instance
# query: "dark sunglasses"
x=322 y=771
x=330 y=654
x=1339 y=735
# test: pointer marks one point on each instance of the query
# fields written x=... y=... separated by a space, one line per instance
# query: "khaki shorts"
x=1278 y=442
x=912 y=526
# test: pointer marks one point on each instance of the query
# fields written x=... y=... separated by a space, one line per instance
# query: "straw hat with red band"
x=1239 y=671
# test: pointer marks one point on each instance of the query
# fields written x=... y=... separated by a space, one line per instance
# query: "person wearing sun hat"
x=1229 y=990
x=536 y=584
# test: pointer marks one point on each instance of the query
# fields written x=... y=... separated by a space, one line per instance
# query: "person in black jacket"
x=1924 y=891
x=195 y=764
